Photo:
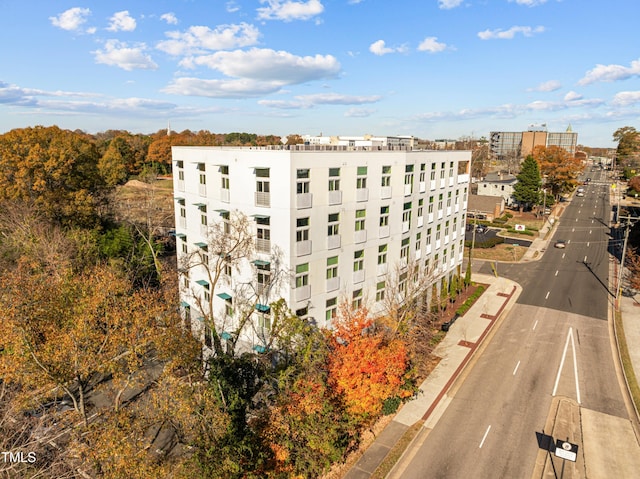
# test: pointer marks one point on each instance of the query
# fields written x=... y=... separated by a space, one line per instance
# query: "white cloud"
x=232 y=7
x=359 y=112
x=626 y=98
x=355 y=2
x=551 y=85
x=529 y=3
x=610 y=73
x=572 y=96
x=119 y=54
x=431 y=45
x=509 y=34
x=338 y=99
x=289 y=10
x=71 y=19
x=237 y=88
x=198 y=39
x=270 y=65
x=122 y=21
x=380 y=48
x=170 y=18
x=448 y=4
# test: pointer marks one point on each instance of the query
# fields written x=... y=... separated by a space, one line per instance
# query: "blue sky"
x=429 y=68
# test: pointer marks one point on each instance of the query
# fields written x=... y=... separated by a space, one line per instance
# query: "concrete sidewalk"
x=455 y=351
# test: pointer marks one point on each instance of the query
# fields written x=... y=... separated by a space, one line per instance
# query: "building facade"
x=498 y=184
x=510 y=145
x=329 y=225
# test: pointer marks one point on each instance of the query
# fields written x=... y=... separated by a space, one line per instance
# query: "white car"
x=561 y=244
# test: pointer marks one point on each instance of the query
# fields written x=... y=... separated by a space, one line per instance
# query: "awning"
x=226 y=336
x=262 y=308
x=221 y=211
x=259 y=262
x=224 y=296
x=177 y=198
x=184 y=304
x=259 y=348
x=199 y=205
x=261 y=217
x=204 y=283
x=200 y=318
x=201 y=245
x=181 y=235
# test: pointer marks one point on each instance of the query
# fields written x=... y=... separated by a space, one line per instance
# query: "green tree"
x=527 y=190
x=628 y=140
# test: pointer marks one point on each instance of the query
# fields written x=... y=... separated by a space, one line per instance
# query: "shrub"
x=469 y=302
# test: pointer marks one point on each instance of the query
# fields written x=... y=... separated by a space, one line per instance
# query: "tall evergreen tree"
x=527 y=190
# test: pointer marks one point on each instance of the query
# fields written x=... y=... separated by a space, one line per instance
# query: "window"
x=302 y=312
x=302 y=275
x=428 y=240
x=360 y=218
x=334 y=224
x=420 y=207
x=226 y=269
x=408 y=178
x=263 y=243
x=185 y=279
x=384 y=216
x=332 y=309
x=334 y=179
x=203 y=215
x=204 y=254
x=361 y=180
x=357 y=299
x=438 y=233
x=181 y=175
x=439 y=201
x=332 y=267
x=449 y=199
x=262 y=180
x=302 y=232
x=404 y=250
x=228 y=307
x=358 y=260
x=382 y=254
x=207 y=336
x=422 y=173
x=302 y=185
x=202 y=174
x=224 y=170
x=264 y=276
x=430 y=204
x=406 y=213
x=418 y=241
x=226 y=225
x=386 y=176
x=185 y=248
x=380 y=291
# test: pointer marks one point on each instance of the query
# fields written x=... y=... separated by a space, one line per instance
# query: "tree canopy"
x=527 y=190
x=558 y=168
x=628 y=140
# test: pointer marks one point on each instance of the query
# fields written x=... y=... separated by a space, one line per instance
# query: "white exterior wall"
x=284 y=212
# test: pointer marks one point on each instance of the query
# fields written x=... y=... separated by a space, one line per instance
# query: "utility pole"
x=629 y=223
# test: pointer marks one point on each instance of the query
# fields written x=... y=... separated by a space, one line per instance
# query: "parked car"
x=579 y=194
x=561 y=244
x=447 y=324
x=481 y=229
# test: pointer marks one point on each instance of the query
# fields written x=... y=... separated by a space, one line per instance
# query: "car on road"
x=447 y=324
x=481 y=229
x=560 y=244
x=580 y=194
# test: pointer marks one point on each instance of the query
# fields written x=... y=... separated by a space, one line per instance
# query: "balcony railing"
x=263 y=198
x=304 y=200
x=263 y=245
x=362 y=194
x=385 y=192
x=333 y=284
x=303 y=248
x=333 y=242
x=303 y=292
x=335 y=197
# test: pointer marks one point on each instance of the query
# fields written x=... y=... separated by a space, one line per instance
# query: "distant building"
x=361 y=141
x=505 y=145
x=498 y=184
x=485 y=207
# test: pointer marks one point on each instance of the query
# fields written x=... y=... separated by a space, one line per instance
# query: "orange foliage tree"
x=559 y=169
x=365 y=367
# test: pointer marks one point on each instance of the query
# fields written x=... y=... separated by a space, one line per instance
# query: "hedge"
x=472 y=299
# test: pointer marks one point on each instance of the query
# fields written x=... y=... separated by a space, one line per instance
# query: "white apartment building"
x=330 y=223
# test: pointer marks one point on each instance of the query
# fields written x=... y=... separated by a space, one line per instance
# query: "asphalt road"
x=554 y=342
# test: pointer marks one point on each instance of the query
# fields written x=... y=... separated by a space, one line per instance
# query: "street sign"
x=520 y=227
x=566 y=450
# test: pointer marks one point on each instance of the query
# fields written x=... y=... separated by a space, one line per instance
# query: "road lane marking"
x=556 y=273
x=573 y=230
x=589 y=231
x=484 y=437
x=547 y=296
x=563 y=255
x=534 y=325
x=587 y=244
x=575 y=365
x=584 y=260
x=516 y=369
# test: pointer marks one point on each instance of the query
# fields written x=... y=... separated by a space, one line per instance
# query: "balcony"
x=180 y=185
x=423 y=187
x=358 y=276
x=406 y=225
x=225 y=195
x=333 y=284
x=360 y=236
x=362 y=194
x=262 y=198
x=303 y=248
x=408 y=189
x=333 y=242
x=382 y=269
x=420 y=221
x=204 y=230
x=263 y=246
x=443 y=183
x=418 y=254
x=335 y=197
x=304 y=200
x=385 y=192
x=383 y=232
x=202 y=189
x=182 y=222
x=303 y=292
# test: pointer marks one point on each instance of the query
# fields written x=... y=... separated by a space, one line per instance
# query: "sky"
x=434 y=69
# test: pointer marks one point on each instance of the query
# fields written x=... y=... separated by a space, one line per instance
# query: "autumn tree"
x=53 y=169
x=480 y=160
x=527 y=190
x=365 y=367
x=558 y=168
